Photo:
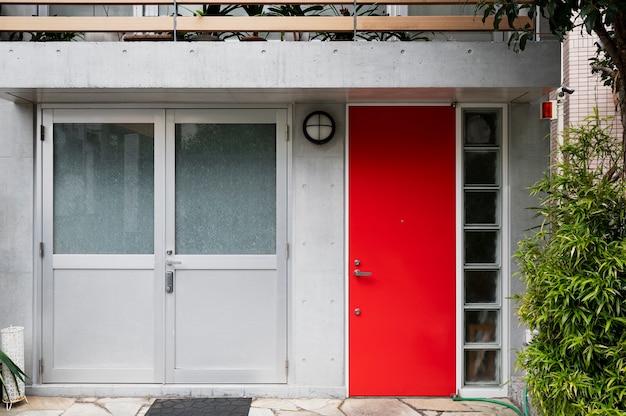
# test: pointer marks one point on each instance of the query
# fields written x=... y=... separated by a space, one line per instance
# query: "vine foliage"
x=574 y=268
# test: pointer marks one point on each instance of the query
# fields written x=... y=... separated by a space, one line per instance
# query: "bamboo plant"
x=574 y=269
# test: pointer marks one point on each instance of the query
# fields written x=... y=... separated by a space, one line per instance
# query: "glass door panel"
x=103 y=188
x=225 y=188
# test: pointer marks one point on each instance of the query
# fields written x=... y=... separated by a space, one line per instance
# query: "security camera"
x=565 y=89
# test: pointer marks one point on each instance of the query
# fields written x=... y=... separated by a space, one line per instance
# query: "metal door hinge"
x=42 y=133
x=287 y=366
x=41 y=249
x=286 y=250
x=287 y=133
x=41 y=367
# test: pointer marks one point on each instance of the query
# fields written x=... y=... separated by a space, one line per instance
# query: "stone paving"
x=134 y=406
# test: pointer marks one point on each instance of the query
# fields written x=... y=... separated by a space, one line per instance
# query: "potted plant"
x=401 y=36
x=294 y=10
x=253 y=10
x=16 y=374
x=46 y=36
x=211 y=10
x=360 y=10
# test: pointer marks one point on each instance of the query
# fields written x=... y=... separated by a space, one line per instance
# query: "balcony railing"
x=319 y=22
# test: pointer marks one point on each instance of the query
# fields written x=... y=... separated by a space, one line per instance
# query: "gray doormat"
x=200 y=407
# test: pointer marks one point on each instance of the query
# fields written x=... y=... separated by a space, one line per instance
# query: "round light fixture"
x=319 y=127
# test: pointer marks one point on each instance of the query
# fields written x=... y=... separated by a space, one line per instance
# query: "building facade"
x=171 y=226
x=589 y=92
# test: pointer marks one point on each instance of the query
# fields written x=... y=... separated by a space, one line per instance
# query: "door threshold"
x=185 y=390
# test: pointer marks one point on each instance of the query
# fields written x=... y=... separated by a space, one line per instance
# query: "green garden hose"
x=526 y=412
x=469 y=399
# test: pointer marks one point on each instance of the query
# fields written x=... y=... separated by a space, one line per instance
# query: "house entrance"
x=164 y=234
x=402 y=251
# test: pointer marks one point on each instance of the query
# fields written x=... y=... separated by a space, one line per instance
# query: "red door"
x=402 y=243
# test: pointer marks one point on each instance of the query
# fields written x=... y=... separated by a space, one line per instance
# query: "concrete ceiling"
x=273 y=96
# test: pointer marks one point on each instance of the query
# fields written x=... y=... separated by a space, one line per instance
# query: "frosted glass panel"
x=482 y=366
x=103 y=188
x=482 y=127
x=481 y=286
x=481 y=246
x=481 y=326
x=225 y=189
x=481 y=167
x=481 y=207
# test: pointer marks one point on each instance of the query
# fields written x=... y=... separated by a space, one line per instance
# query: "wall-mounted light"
x=319 y=127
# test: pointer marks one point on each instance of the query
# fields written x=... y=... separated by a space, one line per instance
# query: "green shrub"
x=574 y=268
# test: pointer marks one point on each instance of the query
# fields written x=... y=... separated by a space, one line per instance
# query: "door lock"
x=357 y=311
x=169 y=281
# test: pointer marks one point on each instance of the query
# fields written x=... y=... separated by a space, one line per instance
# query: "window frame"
x=498 y=388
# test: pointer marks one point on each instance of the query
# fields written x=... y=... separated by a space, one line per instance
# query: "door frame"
x=43 y=258
x=464 y=391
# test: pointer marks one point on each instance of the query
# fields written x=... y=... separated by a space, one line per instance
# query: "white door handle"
x=171 y=262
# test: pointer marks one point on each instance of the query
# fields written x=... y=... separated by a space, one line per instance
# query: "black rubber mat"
x=200 y=407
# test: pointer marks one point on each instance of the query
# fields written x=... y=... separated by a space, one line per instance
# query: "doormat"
x=223 y=406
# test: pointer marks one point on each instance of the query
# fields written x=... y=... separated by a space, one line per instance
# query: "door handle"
x=171 y=262
x=169 y=281
x=359 y=273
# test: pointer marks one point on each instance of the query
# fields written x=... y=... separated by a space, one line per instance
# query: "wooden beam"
x=266 y=24
x=434 y=23
x=85 y=24
x=249 y=24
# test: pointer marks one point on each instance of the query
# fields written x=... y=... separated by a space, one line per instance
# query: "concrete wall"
x=318 y=277
x=16 y=220
x=529 y=147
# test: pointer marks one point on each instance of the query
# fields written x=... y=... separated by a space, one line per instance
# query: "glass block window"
x=482 y=245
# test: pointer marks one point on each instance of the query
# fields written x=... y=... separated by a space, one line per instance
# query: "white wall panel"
x=104 y=319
